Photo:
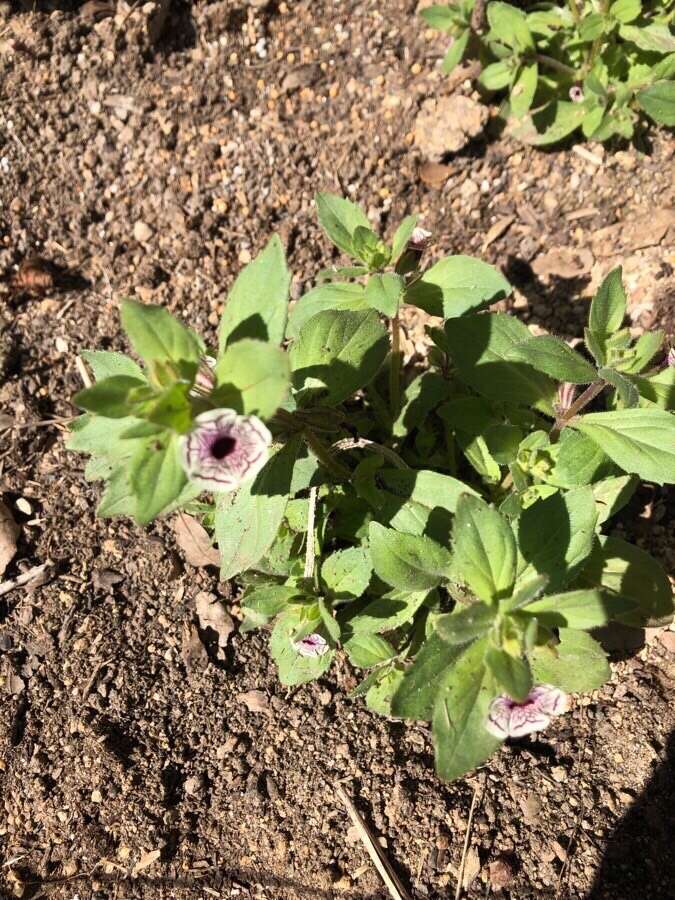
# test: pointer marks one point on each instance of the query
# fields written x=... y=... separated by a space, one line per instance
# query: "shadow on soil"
x=639 y=859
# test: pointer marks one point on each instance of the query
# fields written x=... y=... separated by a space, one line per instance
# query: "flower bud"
x=509 y=719
x=224 y=449
x=205 y=379
x=419 y=239
x=576 y=94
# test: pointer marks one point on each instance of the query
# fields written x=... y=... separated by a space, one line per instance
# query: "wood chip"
x=193 y=539
x=255 y=701
x=500 y=228
x=146 y=860
x=434 y=174
x=471 y=868
x=584 y=213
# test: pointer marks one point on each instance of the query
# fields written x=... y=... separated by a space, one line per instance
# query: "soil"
x=134 y=761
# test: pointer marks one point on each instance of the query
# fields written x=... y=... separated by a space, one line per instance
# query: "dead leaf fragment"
x=471 y=868
x=563 y=262
x=500 y=227
x=193 y=539
x=9 y=533
x=255 y=701
x=434 y=174
x=193 y=652
x=212 y=614
x=146 y=860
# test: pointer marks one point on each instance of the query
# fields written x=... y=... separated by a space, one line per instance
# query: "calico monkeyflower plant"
x=445 y=527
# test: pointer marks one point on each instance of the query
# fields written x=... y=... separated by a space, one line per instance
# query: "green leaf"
x=156 y=476
x=641 y=441
x=583 y=609
x=461 y=739
x=480 y=346
x=346 y=573
x=337 y=353
x=624 y=386
x=102 y=437
x=340 y=218
x=455 y=285
x=381 y=693
x=106 y=364
x=252 y=377
x=330 y=624
x=408 y=562
x=643 y=351
x=269 y=600
x=511 y=673
x=484 y=549
x=442 y=18
x=592 y=27
x=551 y=124
x=579 y=461
x=554 y=357
x=156 y=335
x=465 y=623
x=576 y=664
x=419 y=686
x=658 y=101
x=623 y=570
x=524 y=89
x=555 y=536
x=333 y=295
x=366 y=650
x=387 y=613
x=658 y=389
x=370 y=248
x=456 y=51
x=402 y=236
x=257 y=304
x=595 y=343
x=109 y=397
x=608 y=307
x=294 y=668
x=165 y=408
x=655 y=38
x=419 y=501
x=420 y=398
x=497 y=75
x=611 y=494
x=384 y=293
x=118 y=498
x=247 y=522
x=509 y=25
x=625 y=10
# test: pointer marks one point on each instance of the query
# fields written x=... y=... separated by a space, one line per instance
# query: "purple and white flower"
x=205 y=379
x=670 y=359
x=224 y=449
x=509 y=719
x=419 y=239
x=576 y=94
x=311 y=645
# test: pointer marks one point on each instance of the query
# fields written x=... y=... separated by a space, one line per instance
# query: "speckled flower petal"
x=499 y=718
x=312 y=645
x=224 y=449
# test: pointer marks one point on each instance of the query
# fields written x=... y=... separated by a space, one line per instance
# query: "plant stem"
x=311 y=519
x=555 y=64
x=365 y=444
x=574 y=9
x=582 y=400
x=325 y=457
x=478 y=16
x=395 y=367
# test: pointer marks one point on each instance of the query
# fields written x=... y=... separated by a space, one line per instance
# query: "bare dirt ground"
x=130 y=764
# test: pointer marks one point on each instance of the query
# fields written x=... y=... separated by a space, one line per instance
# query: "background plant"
x=589 y=64
x=441 y=526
